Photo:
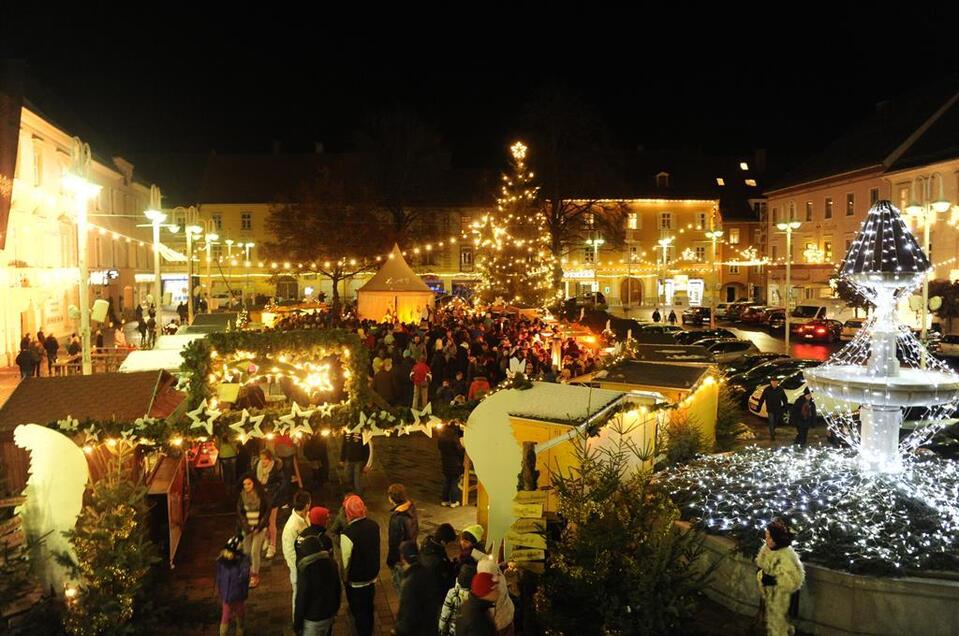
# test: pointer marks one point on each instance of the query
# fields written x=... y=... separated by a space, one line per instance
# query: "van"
x=819 y=309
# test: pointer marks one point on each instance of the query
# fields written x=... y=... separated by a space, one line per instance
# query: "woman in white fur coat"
x=780 y=574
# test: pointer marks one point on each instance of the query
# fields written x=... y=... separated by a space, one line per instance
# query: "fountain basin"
x=912 y=387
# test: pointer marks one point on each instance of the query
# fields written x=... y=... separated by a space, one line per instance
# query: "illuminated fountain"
x=885 y=369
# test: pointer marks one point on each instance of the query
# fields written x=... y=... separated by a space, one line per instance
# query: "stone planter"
x=838 y=603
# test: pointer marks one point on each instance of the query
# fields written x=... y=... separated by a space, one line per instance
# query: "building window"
x=850 y=204
x=734 y=236
x=666 y=221
x=775 y=252
x=792 y=211
x=903 y=198
x=827 y=251
x=720 y=181
x=848 y=245
x=758 y=235
x=588 y=253
x=632 y=221
x=246 y=221
x=466 y=259
x=37 y=163
x=589 y=219
x=808 y=210
x=701 y=221
x=633 y=253
x=827 y=208
x=873 y=196
x=662 y=180
x=217 y=222
x=700 y=253
x=751 y=183
x=734 y=269
x=775 y=215
x=743 y=165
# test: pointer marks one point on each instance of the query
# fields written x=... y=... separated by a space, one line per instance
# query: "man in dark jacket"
x=435 y=560
x=354 y=454
x=383 y=381
x=52 y=346
x=803 y=416
x=317 y=581
x=360 y=547
x=419 y=613
x=404 y=526
x=475 y=618
x=775 y=399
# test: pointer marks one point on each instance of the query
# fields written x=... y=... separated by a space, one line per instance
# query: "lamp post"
x=788 y=229
x=922 y=205
x=156 y=218
x=191 y=231
x=714 y=236
x=76 y=182
x=246 y=263
x=209 y=239
x=664 y=244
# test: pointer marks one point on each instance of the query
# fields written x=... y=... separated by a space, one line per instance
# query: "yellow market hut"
x=394 y=292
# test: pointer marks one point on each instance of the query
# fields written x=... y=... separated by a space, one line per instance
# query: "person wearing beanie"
x=435 y=560
x=360 y=548
x=475 y=616
x=780 y=574
x=291 y=530
x=404 y=526
x=232 y=584
x=471 y=551
x=454 y=599
x=803 y=416
x=503 y=609
x=418 y=613
x=318 y=583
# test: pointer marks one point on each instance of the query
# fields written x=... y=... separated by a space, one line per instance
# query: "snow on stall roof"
x=550 y=402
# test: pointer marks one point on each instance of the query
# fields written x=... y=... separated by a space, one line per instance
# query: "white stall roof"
x=152 y=360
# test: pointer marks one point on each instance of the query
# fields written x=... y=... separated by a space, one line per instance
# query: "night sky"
x=731 y=81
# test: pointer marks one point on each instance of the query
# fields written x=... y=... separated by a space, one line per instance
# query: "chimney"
x=318 y=147
x=277 y=147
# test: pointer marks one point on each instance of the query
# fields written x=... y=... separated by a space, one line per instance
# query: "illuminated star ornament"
x=203 y=417
x=296 y=420
x=91 y=435
x=239 y=426
x=68 y=424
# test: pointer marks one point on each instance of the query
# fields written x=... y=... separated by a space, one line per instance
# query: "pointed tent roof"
x=885 y=245
x=395 y=276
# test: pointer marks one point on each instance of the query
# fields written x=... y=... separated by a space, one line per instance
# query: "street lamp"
x=209 y=239
x=191 y=231
x=246 y=263
x=664 y=244
x=156 y=218
x=788 y=228
x=926 y=208
x=75 y=181
x=595 y=243
x=714 y=236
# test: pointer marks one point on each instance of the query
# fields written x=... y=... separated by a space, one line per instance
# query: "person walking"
x=775 y=399
x=421 y=377
x=404 y=526
x=455 y=598
x=803 y=416
x=253 y=515
x=672 y=317
x=270 y=475
x=780 y=574
x=52 y=346
x=360 y=549
x=318 y=590
x=142 y=328
x=354 y=455
x=451 y=461
x=297 y=523
x=232 y=585
x=656 y=315
x=418 y=614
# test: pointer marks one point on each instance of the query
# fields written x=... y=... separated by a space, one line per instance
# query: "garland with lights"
x=842 y=517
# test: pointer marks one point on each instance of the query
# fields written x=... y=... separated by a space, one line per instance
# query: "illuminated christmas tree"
x=512 y=243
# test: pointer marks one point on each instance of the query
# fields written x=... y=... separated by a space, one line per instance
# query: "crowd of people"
x=329 y=556
x=46 y=348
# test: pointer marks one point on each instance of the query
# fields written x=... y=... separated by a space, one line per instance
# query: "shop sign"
x=103 y=276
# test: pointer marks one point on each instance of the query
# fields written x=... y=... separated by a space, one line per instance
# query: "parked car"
x=693 y=337
x=657 y=328
x=729 y=349
x=850 y=328
x=824 y=330
x=721 y=310
x=776 y=320
x=735 y=310
x=743 y=384
x=751 y=361
x=695 y=316
x=794 y=386
x=753 y=314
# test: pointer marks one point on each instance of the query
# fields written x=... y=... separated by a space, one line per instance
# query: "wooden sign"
x=527 y=555
x=527 y=510
x=523 y=526
x=527 y=539
x=530 y=497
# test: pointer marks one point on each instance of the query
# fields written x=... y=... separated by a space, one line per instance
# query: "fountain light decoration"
x=885 y=369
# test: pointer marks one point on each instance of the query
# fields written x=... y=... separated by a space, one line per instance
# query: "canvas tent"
x=395 y=290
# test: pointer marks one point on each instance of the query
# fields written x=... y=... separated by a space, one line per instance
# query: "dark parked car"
x=664 y=329
x=753 y=314
x=730 y=349
x=751 y=361
x=776 y=320
x=735 y=310
x=820 y=331
x=745 y=383
x=693 y=337
x=695 y=316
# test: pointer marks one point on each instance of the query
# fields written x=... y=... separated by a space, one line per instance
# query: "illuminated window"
x=903 y=198
x=743 y=165
x=850 y=204
x=719 y=181
x=751 y=183
x=588 y=255
x=633 y=253
x=873 y=196
x=666 y=221
x=632 y=221
x=734 y=269
x=246 y=221
x=734 y=236
x=701 y=221
x=827 y=208
x=217 y=222
x=700 y=253
x=827 y=251
x=809 y=210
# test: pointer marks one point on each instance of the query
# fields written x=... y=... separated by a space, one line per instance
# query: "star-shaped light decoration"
x=325 y=409
x=142 y=422
x=425 y=425
x=257 y=422
x=69 y=424
x=297 y=419
x=91 y=435
x=203 y=411
x=239 y=426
